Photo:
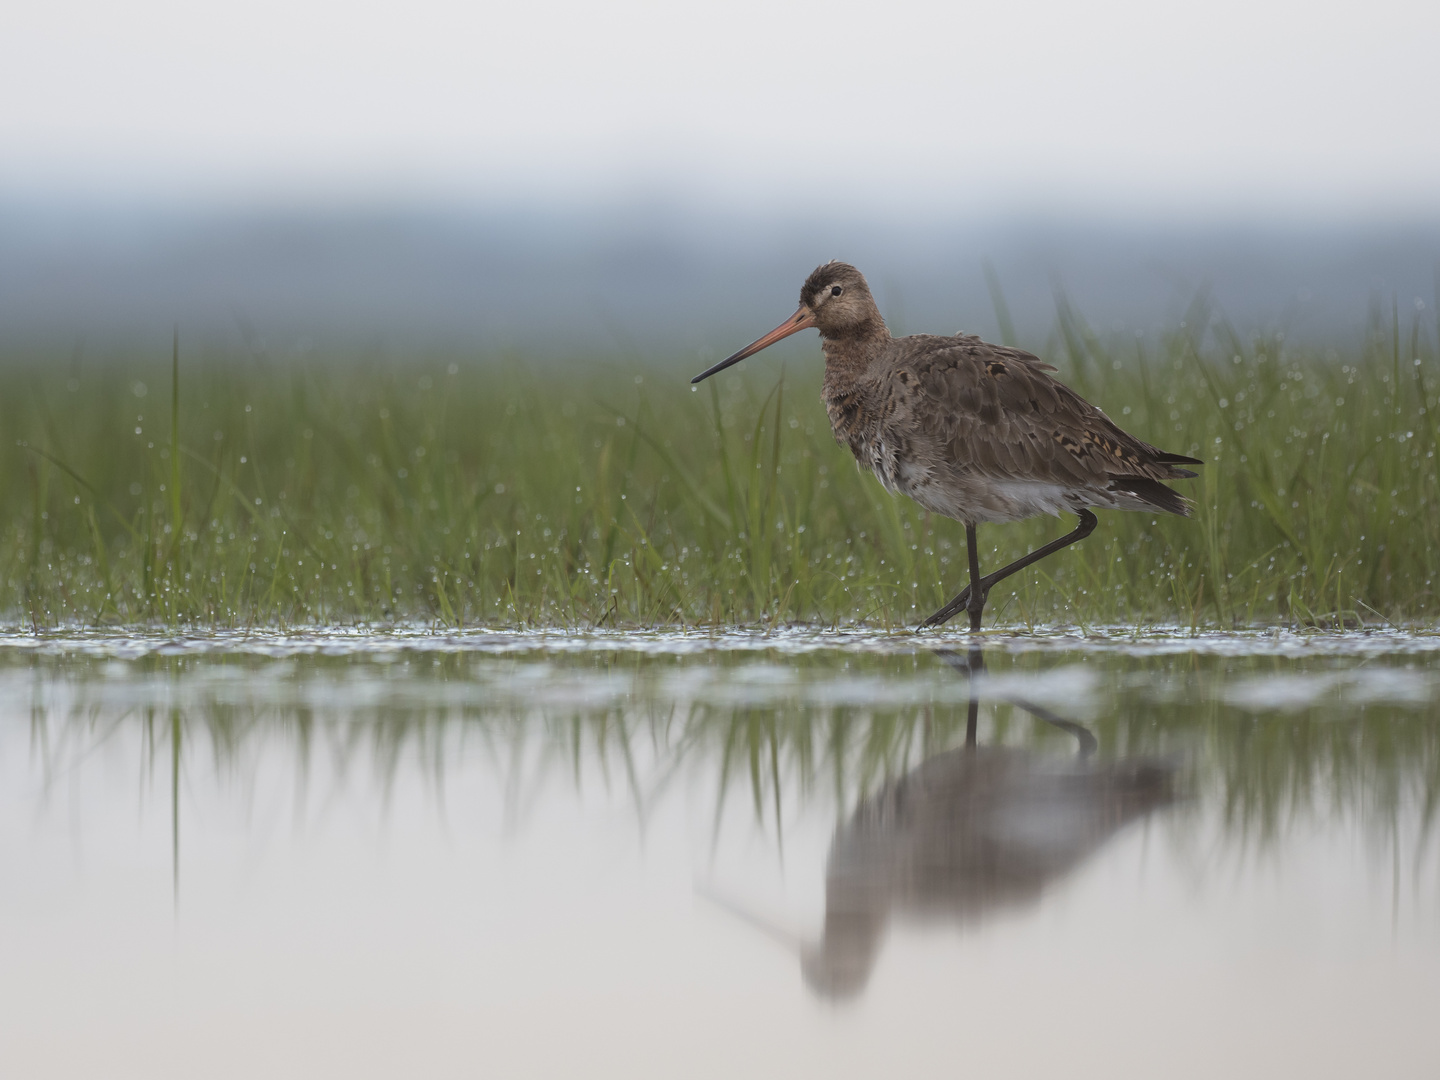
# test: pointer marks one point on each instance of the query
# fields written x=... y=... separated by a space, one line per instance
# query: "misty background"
x=645 y=178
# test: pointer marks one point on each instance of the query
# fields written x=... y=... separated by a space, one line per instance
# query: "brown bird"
x=972 y=431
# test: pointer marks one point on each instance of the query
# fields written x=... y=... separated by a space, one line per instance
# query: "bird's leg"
x=1085 y=527
x=962 y=602
x=979 y=590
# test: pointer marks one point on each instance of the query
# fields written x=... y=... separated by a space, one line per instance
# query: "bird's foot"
x=949 y=611
x=976 y=606
x=959 y=604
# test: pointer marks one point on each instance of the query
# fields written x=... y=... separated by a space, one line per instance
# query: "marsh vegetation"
x=214 y=489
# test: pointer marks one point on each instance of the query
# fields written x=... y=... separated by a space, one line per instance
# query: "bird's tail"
x=1178 y=459
x=1152 y=493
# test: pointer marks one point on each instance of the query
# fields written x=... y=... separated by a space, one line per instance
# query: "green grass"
x=484 y=490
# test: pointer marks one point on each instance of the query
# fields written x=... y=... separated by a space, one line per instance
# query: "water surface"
x=369 y=854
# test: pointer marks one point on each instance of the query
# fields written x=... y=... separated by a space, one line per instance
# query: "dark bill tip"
x=721 y=366
x=802 y=318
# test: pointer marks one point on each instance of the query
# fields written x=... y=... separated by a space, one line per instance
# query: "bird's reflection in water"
x=969 y=833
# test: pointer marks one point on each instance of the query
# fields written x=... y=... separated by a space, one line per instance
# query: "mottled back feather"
x=999 y=411
x=984 y=432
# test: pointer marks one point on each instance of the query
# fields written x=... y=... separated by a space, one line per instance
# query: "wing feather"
x=996 y=411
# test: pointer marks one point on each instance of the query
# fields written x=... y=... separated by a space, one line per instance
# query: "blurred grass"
x=470 y=490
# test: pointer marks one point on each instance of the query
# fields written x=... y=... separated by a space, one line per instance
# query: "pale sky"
x=1272 y=105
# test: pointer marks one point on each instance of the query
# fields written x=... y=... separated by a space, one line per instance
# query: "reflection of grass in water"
x=1376 y=765
x=1331 y=764
x=606 y=492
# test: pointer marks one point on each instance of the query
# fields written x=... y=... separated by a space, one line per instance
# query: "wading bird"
x=972 y=431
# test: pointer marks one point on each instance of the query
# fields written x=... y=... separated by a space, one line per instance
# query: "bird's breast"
x=858 y=424
x=850 y=418
x=892 y=458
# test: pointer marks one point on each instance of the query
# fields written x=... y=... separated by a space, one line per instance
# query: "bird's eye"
x=835 y=290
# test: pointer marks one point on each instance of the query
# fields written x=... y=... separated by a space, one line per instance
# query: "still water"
x=797 y=854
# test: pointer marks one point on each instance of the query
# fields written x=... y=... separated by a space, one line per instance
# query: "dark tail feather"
x=1152 y=492
x=1179 y=459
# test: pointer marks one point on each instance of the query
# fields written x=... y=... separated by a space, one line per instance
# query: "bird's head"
x=838 y=299
x=834 y=299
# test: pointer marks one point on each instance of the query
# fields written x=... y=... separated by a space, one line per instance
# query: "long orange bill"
x=802 y=319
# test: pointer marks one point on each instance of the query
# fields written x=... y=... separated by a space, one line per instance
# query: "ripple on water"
x=389 y=642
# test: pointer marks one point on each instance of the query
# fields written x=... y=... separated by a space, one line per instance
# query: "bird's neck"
x=849 y=352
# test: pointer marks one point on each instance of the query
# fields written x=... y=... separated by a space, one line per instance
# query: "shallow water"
x=813 y=853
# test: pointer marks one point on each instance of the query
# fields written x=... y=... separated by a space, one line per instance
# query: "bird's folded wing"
x=999 y=413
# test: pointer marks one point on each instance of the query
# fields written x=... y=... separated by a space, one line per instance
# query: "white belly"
x=981 y=500
x=971 y=498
